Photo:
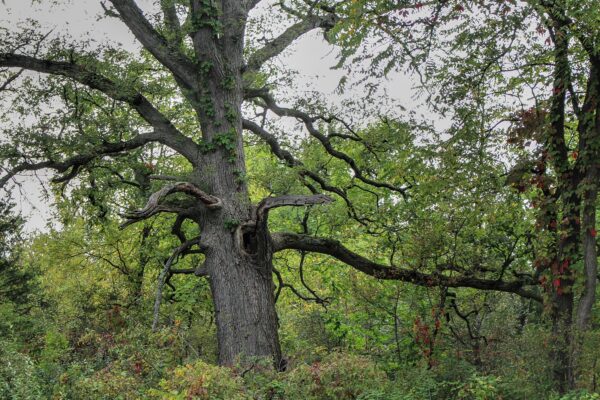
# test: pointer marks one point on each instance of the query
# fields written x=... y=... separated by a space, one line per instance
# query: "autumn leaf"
x=556 y=283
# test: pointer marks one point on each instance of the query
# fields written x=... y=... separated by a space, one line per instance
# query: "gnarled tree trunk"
x=243 y=295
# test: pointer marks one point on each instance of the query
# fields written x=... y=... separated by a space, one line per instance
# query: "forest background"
x=208 y=209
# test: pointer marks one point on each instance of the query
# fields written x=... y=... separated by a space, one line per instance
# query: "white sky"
x=311 y=56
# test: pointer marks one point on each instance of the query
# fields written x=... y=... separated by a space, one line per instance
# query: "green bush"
x=111 y=383
x=18 y=379
x=337 y=377
x=479 y=388
x=579 y=395
x=201 y=381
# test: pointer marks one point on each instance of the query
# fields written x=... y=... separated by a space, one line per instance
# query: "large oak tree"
x=202 y=46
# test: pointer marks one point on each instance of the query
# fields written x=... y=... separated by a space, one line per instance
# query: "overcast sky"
x=81 y=19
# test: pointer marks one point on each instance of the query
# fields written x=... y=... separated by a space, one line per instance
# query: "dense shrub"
x=579 y=395
x=200 y=381
x=111 y=383
x=18 y=378
x=337 y=377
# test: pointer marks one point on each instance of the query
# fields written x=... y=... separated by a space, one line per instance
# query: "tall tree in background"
x=526 y=71
x=203 y=55
x=16 y=284
x=13 y=282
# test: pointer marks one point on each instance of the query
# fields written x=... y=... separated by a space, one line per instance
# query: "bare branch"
x=308 y=122
x=163 y=177
x=291 y=200
x=283 y=41
x=282 y=241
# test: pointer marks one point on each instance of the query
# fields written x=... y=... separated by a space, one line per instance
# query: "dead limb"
x=154 y=205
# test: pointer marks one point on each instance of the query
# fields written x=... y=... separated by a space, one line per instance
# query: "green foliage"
x=479 y=388
x=76 y=308
x=115 y=381
x=337 y=376
x=200 y=381
x=18 y=375
x=580 y=395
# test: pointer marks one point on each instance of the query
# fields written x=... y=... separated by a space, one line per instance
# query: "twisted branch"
x=290 y=161
x=308 y=121
x=154 y=207
x=289 y=201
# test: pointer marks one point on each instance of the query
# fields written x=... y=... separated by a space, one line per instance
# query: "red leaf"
x=593 y=232
x=137 y=367
x=556 y=283
x=574 y=155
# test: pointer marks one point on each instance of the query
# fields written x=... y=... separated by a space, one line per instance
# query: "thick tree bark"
x=566 y=250
x=562 y=343
x=562 y=297
x=243 y=295
x=589 y=131
x=239 y=265
x=238 y=250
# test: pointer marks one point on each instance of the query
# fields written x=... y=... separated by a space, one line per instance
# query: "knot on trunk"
x=246 y=238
